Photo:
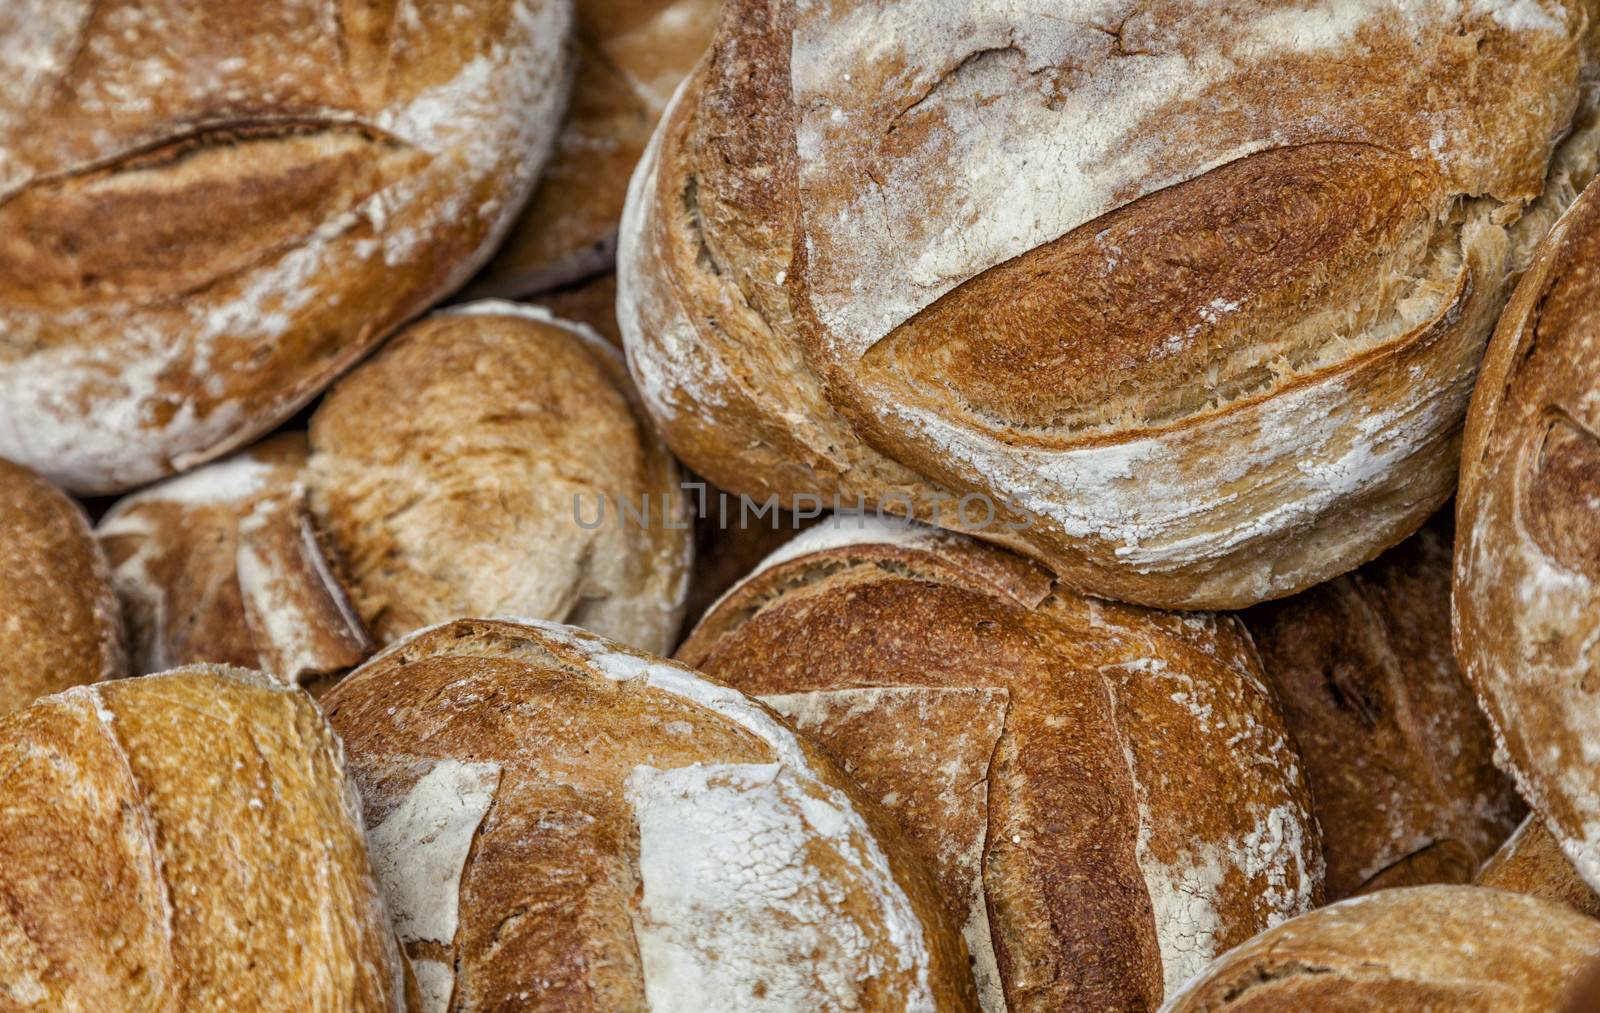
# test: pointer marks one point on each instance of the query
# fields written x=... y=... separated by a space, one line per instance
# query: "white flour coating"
x=736 y=917
x=674 y=368
x=419 y=852
x=86 y=414
x=1039 y=120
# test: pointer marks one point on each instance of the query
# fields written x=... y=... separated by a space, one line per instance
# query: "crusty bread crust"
x=1399 y=757
x=198 y=230
x=1108 y=794
x=1531 y=862
x=186 y=841
x=550 y=867
x=1199 y=290
x=631 y=54
x=62 y=626
x=1459 y=948
x=1527 y=573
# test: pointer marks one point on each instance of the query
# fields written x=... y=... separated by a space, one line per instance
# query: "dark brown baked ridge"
x=197 y=231
x=1399 y=758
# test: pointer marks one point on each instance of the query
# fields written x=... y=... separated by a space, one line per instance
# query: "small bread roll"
x=59 y=621
x=1184 y=297
x=458 y=472
x=631 y=55
x=1107 y=794
x=1531 y=862
x=553 y=815
x=1527 y=565
x=209 y=210
x=182 y=842
x=1399 y=757
x=1459 y=948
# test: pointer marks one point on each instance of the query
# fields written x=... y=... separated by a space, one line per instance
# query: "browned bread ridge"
x=186 y=841
x=1399 y=757
x=631 y=54
x=59 y=621
x=1196 y=288
x=1106 y=793
x=1531 y=862
x=1465 y=949
x=208 y=210
x=439 y=482
x=557 y=816
x=1527 y=563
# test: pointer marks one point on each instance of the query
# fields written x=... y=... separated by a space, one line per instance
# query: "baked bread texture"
x=1459 y=948
x=1399 y=757
x=59 y=621
x=207 y=211
x=1106 y=793
x=631 y=54
x=458 y=472
x=1186 y=297
x=555 y=815
x=186 y=841
x=1531 y=862
x=1527 y=564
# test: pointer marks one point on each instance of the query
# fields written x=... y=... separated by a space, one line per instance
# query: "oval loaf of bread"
x=1399 y=756
x=186 y=841
x=1188 y=296
x=1464 y=949
x=1106 y=793
x=459 y=472
x=207 y=210
x=555 y=815
x=59 y=621
x=1527 y=571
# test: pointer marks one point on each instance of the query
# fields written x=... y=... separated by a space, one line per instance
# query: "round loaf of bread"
x=460 y=472
x=182 y=842
x=1527 y=565
x=1184 y=298
x=208 y=210
x=557 y=816
x=1459 y=948
x=631 y=55
x=1107 y=794
x=59 y=621
x=1531 y=862
x=1399 y=757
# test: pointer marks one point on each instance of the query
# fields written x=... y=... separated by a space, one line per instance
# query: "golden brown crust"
x=1429 y=947
x=1399 y=757
x=887 y=298
x=62 y=626
x=631 y=54
x=200 y=231
x=1526 y=559
x=186 y=841
x=1531 y=862
x=592 y=303
x=1073 y=730
x=553 y=883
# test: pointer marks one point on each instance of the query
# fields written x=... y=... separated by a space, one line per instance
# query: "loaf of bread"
x=59 y=622
x=1183 y=298
x=631 y=54
x=1399 y=757
x=1463 y=949
x=186 y=841
x=207 y=211
x=1527 y=564
x=556 y=816
x=459 y=472
x=1531 y=862
x=1107 y=794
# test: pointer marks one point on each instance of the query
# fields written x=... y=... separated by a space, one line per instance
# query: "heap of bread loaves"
x=385 y=623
